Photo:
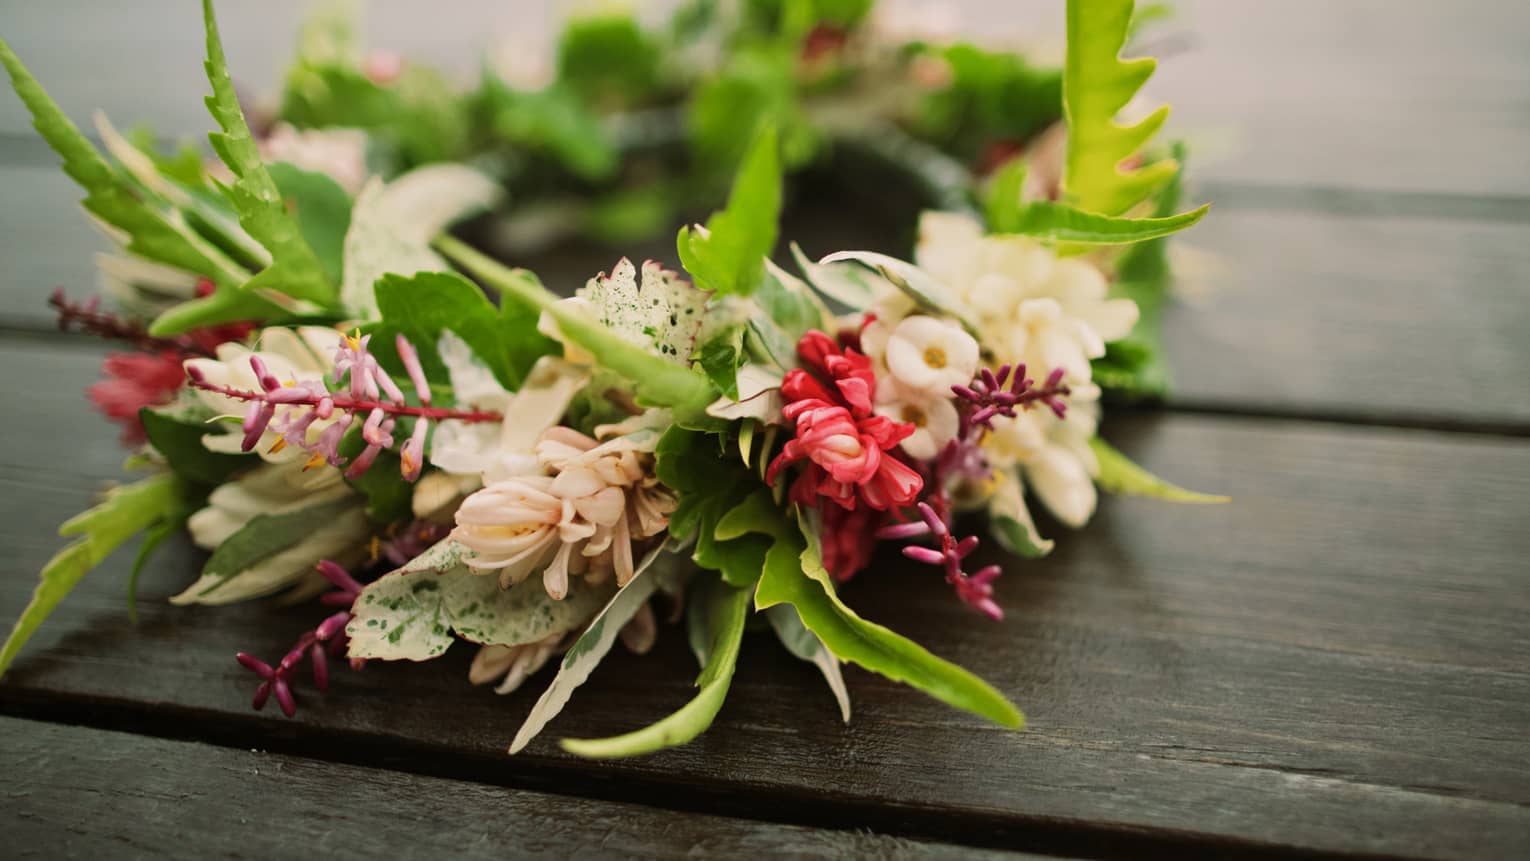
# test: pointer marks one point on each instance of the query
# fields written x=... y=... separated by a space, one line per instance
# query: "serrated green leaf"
x=422 y=306
x=413 y=613
x=322 y=209
x=1119 y=475
x=179 y=441
x=1062 y=223
x=153 y=232
x=808 y=587
x=727 y=611
x=728 y=257
x=1001 y=201
x=721 y=357
x=608 y=59
x=1097 y=84
x=125 y=512
x=592 y=646
x=658 y=382
x=171 y=524
x=295 y=270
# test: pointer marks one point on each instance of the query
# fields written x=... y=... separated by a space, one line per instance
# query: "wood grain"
x=1334 y=663
x=165 y=799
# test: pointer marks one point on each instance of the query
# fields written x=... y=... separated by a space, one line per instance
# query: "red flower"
x=849 y=538
x=843 y=443
x=132 y=381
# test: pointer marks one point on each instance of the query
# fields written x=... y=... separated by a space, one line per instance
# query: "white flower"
x=930 y=355
x=998 y=279
x=935 y=421
x=1053 y=455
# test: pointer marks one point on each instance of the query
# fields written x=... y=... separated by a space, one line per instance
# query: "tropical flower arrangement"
x=323 y=394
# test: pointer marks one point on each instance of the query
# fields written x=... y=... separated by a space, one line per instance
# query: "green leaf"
x=608 y=60
x=658 y=381
x=265 y=536
x=1119 y=475
x=712 y=487
x=1062 y=223
x=1001 y=202
x=727 y=611
x=424 y=305
x=592 y=646
x=721 y=357
x=789 y=309
x=392 y=225
x=1135 y=364
x=805 y=645
x=914 y=282
x=172 y=523
x=322 y=209
x=554 y=122
x=154 y=232
x=295 y=270
x=179 y=440
x=412 y=613
x=993 y=96
x=728 y=257
x=1097 y=84
x=808 y=587
x=125 y=512
x=756 y=89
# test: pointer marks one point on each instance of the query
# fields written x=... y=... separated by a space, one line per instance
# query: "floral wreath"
x=325 y=399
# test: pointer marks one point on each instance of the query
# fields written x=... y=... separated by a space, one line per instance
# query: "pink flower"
x=843 y=443
x=849 y=539
x=132 y=381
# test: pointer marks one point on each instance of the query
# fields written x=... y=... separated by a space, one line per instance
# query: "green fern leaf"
x=295 y=270
x=153 y=232
x=1097 y=84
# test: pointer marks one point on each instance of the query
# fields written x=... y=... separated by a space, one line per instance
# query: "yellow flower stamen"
x=315 y=459
x=281 y=443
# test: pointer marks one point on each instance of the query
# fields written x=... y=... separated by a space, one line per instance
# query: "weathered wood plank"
x=1335 y=662
x=1381 y=96
x=73 y=792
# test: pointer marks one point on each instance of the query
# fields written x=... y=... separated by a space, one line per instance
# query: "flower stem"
x=352 y=405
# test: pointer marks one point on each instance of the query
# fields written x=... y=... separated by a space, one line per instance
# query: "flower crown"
x=323 y=398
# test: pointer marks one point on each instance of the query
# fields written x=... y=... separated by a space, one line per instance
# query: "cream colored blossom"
x=930 y=355
x=512 y=665
x=1053 y=455
x=579 y=518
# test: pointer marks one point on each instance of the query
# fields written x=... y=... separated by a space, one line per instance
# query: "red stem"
x=347 y=404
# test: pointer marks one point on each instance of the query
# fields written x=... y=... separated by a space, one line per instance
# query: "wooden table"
x=1336 y=664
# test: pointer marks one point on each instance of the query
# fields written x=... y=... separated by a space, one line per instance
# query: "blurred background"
x=1368 y=160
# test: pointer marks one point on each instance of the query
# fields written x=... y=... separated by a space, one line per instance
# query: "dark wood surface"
x=1334 y=664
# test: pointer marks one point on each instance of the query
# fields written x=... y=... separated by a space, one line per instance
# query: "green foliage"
x=1135 y=365
x=757 y=89
x=728 y=257
x=794 y=18
x=1058 y=222
x=805 y=645
x=808 y=588
x=125 y=512
x=726 y=612
x=1119 y=475
x=608 y=59
x=992 y=96
x=1097 y=84
x=554 y=122
x=657 y=381
x=178 y=438
x=295 y=270
x=322 y=209
x=721 y=357
x=711 y=487
x=424 y=305
x=154 y=231
x=418 y=118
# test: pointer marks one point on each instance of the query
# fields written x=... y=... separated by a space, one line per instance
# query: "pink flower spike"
x=901 y=531
x=262 y=694
x=411 y=359
x=338 y=577
x=412 y=455
x=923 y=554
x=267 y=380
x=284 y=697
x=933 y=520
x=320 y=666
x=254 y=665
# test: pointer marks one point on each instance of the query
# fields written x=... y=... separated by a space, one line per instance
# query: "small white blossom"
x=930 y=355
